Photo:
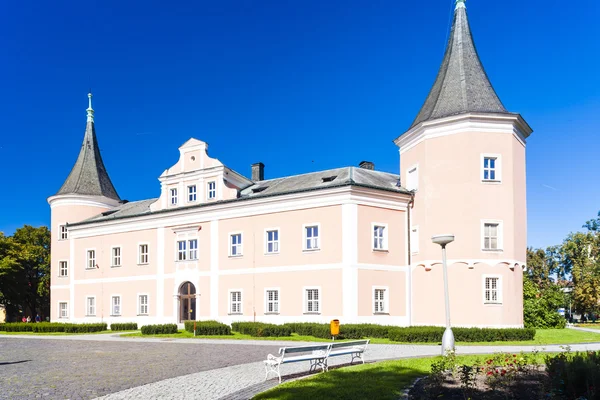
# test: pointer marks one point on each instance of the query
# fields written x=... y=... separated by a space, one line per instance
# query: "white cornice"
x=471 y=122
x=236 y=209
x=81 y=200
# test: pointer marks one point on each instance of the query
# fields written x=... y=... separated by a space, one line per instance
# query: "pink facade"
x=351 y=243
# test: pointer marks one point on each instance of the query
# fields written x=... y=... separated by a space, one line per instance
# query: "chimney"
x=258 y=172
x=366 y=165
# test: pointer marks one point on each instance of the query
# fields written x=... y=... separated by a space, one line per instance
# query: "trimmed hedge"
x=435 y=333
x=347 y=331
x=46 y=327
x=208 y=328
x=310 y=329
x=159 y=329
x=260 y=329
x=124 y=326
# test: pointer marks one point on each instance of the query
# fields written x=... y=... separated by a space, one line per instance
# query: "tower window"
x=412 y=178
x=491 y=168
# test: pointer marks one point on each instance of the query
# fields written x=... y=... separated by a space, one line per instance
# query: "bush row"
x=124 y=326
x=159 y=329
x=435 y=333
x=260 y=329
x=208 y=328
x=347 y=331
x=45 y=327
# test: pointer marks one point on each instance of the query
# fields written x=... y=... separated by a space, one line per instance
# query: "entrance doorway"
x=187 y=302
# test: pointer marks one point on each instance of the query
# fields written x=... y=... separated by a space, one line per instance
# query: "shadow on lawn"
x=357 y=382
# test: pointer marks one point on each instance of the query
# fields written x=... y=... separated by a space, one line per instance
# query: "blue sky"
x=300 y=86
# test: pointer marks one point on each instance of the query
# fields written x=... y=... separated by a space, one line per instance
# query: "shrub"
x=47 y=327
x=159 y=329
x=208 y=328
x=434 y=334
x=360 y=331
x=310 y=329
x=260 y=329
x=84 y=328
x=124 y=326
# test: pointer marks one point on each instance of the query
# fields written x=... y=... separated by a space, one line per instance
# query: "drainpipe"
x=409 y=206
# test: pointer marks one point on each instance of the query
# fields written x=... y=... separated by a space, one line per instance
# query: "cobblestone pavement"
x=86 y=369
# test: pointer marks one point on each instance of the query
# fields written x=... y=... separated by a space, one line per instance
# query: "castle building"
x=350 y=243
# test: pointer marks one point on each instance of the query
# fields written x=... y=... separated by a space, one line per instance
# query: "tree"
x=25 y=270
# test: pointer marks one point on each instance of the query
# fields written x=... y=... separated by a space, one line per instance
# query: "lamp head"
x=442 y=240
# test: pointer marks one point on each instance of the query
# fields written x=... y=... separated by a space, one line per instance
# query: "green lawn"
x=382 y=380
x=542 y=337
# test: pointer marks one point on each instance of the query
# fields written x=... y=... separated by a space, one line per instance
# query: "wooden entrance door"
x=187 y=302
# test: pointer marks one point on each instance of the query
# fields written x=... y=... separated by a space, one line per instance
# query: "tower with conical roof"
x=87 y=191
x=464 y=157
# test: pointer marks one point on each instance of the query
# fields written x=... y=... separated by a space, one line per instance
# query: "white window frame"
x=112 y=305
x=192 y=197
x=114 y=259
x=385 y=236
x=141 y=254
x=497 y=168
x=60 y=315
x=500 y=234
x=192 y=253
x=239 y=246
x=181 y=255
x=173 y=197
x=385 y=301
x=211 y=194
x=139 y=304
x=60 y=269
x=305 y=236
x=305 y=290
x=276 y=243
x=498 y=290
x=412 y=181
x=63 y=232
x=88 y=259
x=240 y=303
x=414 y=239
x=87 y=306
x=267 y=290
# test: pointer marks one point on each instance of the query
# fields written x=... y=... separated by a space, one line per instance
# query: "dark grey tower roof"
x=461 y=85
x=89 y=176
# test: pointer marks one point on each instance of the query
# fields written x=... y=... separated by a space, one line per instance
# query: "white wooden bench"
x=317 y=355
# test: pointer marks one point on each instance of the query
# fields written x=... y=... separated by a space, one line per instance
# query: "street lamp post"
x=448 y=338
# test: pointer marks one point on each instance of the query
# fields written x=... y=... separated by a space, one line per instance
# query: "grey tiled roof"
x=89 y=176
x=347 y=176
x=461 y=85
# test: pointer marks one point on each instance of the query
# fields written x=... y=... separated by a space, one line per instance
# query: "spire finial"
x=460 y=4
x=90 y=110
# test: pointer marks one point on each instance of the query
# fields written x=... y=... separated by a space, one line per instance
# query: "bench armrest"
x=274 y=359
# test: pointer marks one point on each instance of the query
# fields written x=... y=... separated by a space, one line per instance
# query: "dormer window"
x=192 y=193
x=329 y=178
x=173 y=197
x=212 y=190
x=259 y=189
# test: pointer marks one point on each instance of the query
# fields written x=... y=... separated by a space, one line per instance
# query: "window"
x=181 y=250
x=173 y=197
x=492 y=291
x=63 y=310
x=414 y=239
x=235 y=302
x=311 y=237
x=491 y=168
x=193 y=245
x=379 y=237
x=272 y=241
x=212 y=190
x=116 y=305
x=312 y=301
x=236 y=245
x=143 y=304
x=379 y=300
x=91 y=306
x=272 y=301
x=143 y=254
x=491 y=236
x=63 y=269
x=192 y=193
x=412 y=178
x=91 y=259
x=116 y=257
x=63 y=233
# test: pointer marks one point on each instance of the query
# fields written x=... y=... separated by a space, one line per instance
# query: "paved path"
x=87 y=366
